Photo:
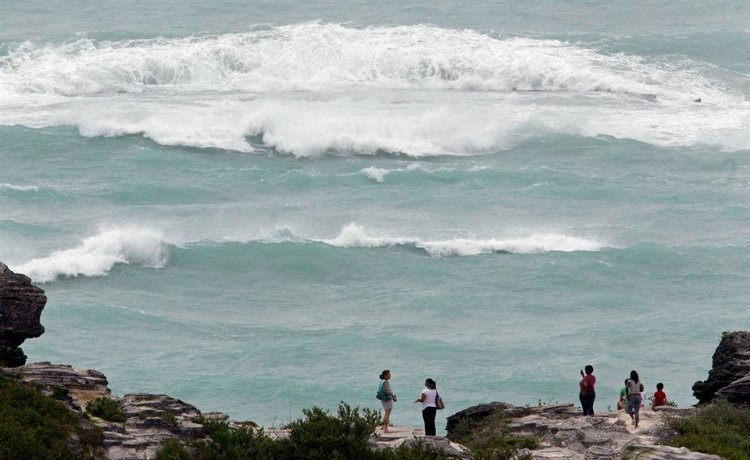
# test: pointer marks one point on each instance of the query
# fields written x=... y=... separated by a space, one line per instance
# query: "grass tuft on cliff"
x=105 y=409
x=719 y=428
x=35 y=426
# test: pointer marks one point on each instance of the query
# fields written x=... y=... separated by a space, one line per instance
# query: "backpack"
x=382 y=394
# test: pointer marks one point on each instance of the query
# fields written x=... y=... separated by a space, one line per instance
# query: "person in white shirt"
x=429 y=409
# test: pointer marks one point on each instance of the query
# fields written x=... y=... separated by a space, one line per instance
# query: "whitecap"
x=96 y=255
x=20 y=188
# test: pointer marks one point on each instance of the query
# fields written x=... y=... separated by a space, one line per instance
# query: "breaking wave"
x=354 y=236
x=96 y=256
x=317 y=88
x=323 y=56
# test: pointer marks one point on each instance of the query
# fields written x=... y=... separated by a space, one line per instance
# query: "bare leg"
x=386 y=419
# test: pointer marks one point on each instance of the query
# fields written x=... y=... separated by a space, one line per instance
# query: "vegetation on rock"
x=317 y=436
x=719 y=428
x=35 y=426
x=106 y=409
x=490 y=437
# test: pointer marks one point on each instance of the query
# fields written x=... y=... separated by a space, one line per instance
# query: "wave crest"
x=323 y=56
x=353 y=236
x=96 y=256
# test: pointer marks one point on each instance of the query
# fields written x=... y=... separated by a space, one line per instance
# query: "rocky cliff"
x=729 y=377
x=21 y=305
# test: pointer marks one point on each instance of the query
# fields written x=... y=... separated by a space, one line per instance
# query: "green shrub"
x=172 y=450
x=61 y=394
x=35 y=426
x=169 y=417
x=320 y=435
x=718 y=428
x=240 y=443
x=105 y=408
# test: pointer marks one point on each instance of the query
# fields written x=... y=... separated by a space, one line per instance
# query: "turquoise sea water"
x=257 y=207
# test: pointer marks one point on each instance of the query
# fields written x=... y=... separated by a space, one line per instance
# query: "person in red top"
x=587 y=394
x=660 y=398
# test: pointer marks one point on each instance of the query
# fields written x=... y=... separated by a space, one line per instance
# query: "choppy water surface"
x=257 y=208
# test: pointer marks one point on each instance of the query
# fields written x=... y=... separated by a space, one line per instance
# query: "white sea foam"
x=313 y=88
x=355 y=236
x=20 y=188
x=376 y=174
x=320 y=56
x=96 y=256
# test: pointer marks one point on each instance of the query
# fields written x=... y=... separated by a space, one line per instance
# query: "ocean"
x=256 y=207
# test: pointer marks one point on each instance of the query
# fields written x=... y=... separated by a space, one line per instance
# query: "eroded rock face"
x=652 y=452
x=81 y=385
x=564 y=434
x=737 y=392
x=731 y=363
x=474 y=413
x=21 y=305
x=149 y=419
x=398 y=436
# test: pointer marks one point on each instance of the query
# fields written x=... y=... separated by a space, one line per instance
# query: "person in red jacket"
x=660 y=398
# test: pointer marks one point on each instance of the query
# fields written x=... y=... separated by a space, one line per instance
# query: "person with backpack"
x=387 y=397
x=634 y=388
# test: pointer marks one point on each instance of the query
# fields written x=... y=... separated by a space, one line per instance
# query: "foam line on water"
x=19 y=188
x=355 y=236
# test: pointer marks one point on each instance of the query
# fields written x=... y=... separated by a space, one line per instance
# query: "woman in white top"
x=429 y=409
x=634 y=387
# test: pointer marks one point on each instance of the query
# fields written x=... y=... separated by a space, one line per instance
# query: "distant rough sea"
x=257 y=207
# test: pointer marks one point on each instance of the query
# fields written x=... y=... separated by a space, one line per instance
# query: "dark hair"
x=430 y=383
x=634 y=376
x=626 y=381
x=589 y=369
x=659 y=386
x=382 y=374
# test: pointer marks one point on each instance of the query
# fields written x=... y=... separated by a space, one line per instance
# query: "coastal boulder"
x=731 y=363
x=737 y=392
x=474 y=414
x=21 y=305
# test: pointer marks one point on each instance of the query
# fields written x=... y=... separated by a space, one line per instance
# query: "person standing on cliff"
x=429 y=407
x=635 y=387
x=587 y=393
x=387 y=397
